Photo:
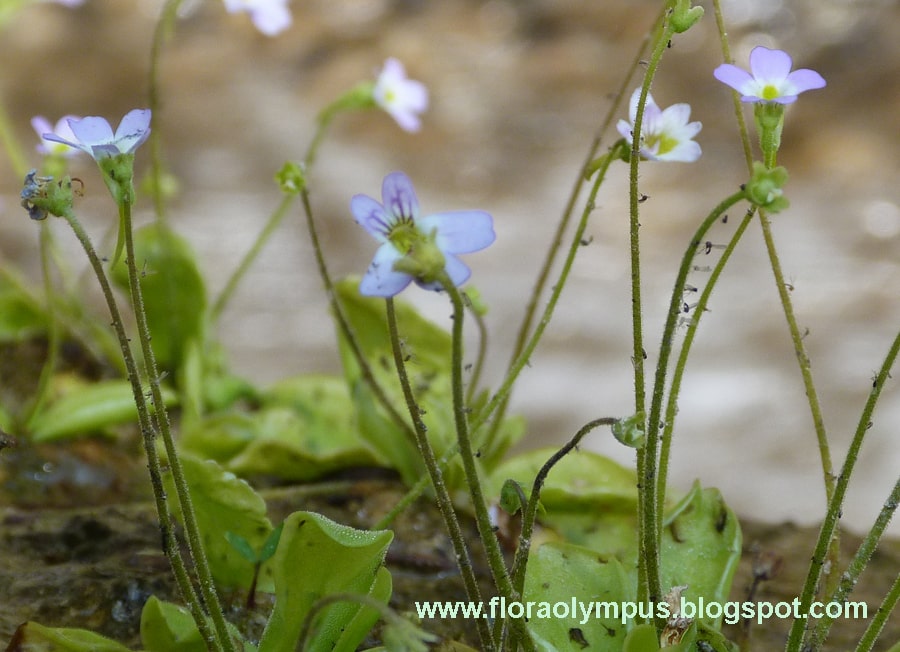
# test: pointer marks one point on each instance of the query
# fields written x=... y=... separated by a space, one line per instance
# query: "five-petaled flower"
x=665 y=134
x=401 y=97
x=415 y=248
x=269 y=16
x=62 y=129
x=771 y=79
x=94 y=135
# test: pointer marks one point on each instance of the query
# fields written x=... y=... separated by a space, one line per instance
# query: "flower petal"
x=770 y=66
x=460 y=232
x=399 y=196
x=733 y=76
x=805 y=80
x=271 y=20
x=381 y=280
x=133 y=130
x=687 y=151
x=370 y=215
x=92 y=130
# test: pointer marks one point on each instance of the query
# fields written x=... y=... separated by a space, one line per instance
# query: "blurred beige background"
x=518 y=90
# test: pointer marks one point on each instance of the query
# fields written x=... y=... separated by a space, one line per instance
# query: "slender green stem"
x=478 y=365
x=194 y=542
x=563 y=224
x=53 y=327
x=166 y=522
x=250 y=257
x=497 y=564
x=525 y=356
x=161 y=32
x=675 y=386
x=529 y=515
x=873 y=631
x=649 y=523
x=11 y=144
x=735 y=97
x=655 y=499
x=829 y=525
x=445 y=504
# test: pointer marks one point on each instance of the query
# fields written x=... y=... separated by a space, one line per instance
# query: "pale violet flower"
x=62 y=129
x=665 y=134
x=69 y=3
x=403 y=98
x=269 y=16
x=416 y=248
x=770 y=78
x=94 y=135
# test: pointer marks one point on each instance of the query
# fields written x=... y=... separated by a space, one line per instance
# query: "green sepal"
x=765 y=187
x=684 y=16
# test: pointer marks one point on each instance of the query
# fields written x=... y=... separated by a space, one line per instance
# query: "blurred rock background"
x=518 y=90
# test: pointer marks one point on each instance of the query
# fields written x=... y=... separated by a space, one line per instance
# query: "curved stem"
x=829 y=525
x=649 y=523
x=166 y=522
x=249 y=258
x=8 y=140
x=445 y=504
x=530 y=513
x=880 y=619
x=53 y=328
x=681 y=363
x=563 y=224
x=160 y=33
x=194 y=541
x=506 y=387
x=497 y=564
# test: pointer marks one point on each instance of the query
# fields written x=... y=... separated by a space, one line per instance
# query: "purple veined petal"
x=730 y=75
x=56 y=139
x=381 y=279
x=399 y=196
x=371 y=215
x=805 y=80
x=133 y=130
x=460 y=232
x=92 y=130
x=769 y=66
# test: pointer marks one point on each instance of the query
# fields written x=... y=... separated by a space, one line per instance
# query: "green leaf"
x=288 y=446
x=580 y=479
x=88 y=408
x=173 y=290
x=316 y=558
x=21 y=316
x=271 y=545
x=242 y=546
x=225 y=503
x=32 y=636
x=641 y=639
x=305 y=429
x=701 y=548
x=572 y=576
x=427 y=350
x=167 y=627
